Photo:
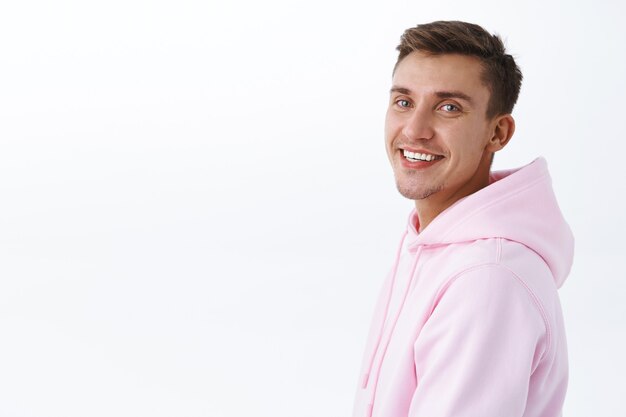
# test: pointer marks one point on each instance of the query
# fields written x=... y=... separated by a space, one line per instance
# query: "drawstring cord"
x=393 y=326
x=366 y=376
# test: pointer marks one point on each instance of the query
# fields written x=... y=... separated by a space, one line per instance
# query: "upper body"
x=468 y=322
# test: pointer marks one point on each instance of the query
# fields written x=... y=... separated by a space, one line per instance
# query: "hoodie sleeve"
x=478 y=349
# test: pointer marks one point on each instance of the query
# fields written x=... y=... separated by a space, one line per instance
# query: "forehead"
x=426 y=74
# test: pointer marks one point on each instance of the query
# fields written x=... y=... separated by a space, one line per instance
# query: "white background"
x=196 y=207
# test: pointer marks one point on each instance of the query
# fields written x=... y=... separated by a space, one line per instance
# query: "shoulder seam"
x=530 y=292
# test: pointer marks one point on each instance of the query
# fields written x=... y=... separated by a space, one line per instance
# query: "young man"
x=468 y=322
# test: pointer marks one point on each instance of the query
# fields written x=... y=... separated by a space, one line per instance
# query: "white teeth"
x=416 y=156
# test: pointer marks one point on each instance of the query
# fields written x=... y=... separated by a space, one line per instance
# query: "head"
x=452 y=94
x=500 y=73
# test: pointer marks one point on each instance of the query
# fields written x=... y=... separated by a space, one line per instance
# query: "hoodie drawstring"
x=393 y=325
x=394 y=272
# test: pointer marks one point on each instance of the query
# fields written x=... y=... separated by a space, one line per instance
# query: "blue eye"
x=403 y=103
x=449 y=108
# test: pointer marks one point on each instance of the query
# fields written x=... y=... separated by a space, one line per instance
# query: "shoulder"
x=489 y=281
x=500 y=268
x=502 y=282
x=491 y=296
x=501 y=259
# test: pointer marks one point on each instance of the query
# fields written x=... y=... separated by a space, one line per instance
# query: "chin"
x=417 y=193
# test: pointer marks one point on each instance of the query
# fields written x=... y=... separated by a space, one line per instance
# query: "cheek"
x=389 y=131
x=393 y=125
x=390 y=135
x=387 y=125
x=388 y=144
x=470 y=140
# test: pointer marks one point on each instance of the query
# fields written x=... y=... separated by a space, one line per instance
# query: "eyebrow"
x=439 y=94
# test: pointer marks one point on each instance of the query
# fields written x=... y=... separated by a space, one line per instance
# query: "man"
x=469 y=321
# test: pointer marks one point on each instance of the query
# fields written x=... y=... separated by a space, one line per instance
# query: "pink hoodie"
x=468 y=322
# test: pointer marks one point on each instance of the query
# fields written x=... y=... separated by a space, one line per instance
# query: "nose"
x=419 y=124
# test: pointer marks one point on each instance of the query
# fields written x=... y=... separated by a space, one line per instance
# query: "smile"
x=416 y=156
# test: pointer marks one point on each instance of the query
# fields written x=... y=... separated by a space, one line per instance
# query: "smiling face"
x=438 y=137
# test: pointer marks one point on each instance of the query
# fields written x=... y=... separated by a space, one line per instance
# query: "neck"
x=429 y=208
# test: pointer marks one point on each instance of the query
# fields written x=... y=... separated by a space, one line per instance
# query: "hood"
x=517 y=205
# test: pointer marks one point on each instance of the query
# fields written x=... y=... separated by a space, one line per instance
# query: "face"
x=436 y=130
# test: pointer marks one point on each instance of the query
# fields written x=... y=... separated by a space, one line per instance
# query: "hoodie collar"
x=518 y=205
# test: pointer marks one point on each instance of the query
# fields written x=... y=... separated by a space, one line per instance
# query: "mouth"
x=420 y=156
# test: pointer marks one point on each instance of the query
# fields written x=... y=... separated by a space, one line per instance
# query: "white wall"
x=196 y=211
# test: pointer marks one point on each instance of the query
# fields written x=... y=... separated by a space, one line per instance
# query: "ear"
x=503 y=129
